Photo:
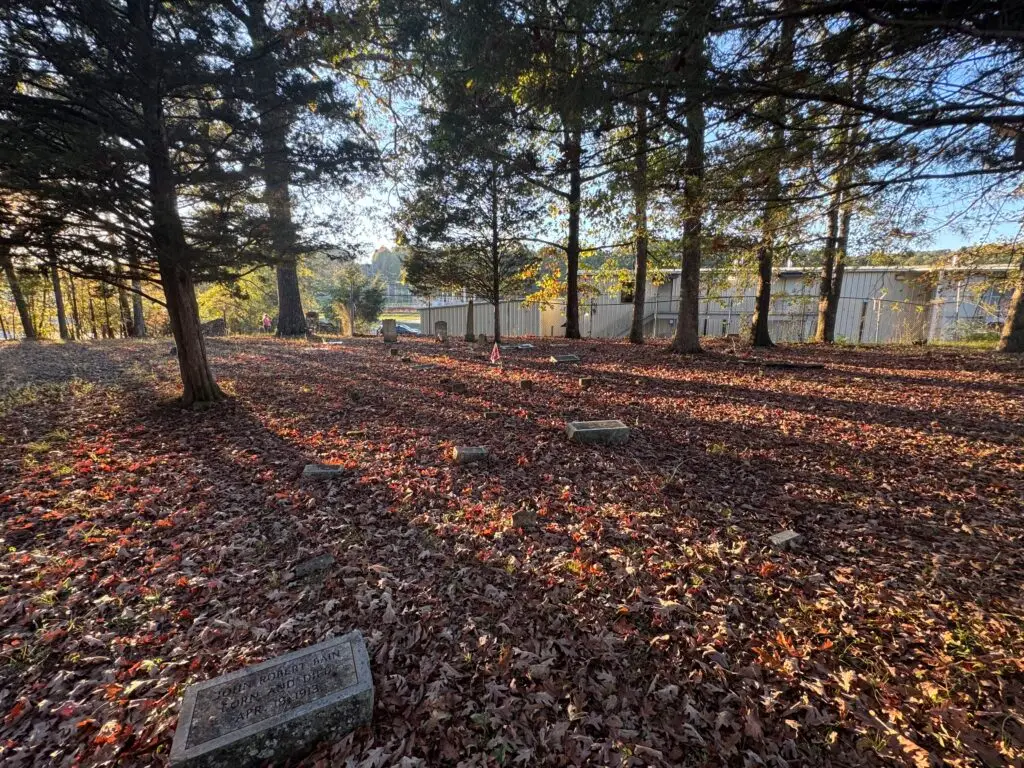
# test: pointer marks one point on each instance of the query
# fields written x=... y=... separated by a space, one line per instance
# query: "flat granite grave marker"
x=610 y=432
x=277 y=709
x=564 y=359
x=785 y=540
x=441 y=331
x=390 y=330
x=321 y=471
x=464 y=454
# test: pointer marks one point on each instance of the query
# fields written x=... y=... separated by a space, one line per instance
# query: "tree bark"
x=687 y=336
x=825 y=331
x=1012 y=338
x=168 y=234
x=58 y=294
x=636 y=330
x=19 y=297
x=573 y=153
x=273 y=128
x=92 y=314
x=773 y=206
x=138 y=315
x=75 y=316
x=127 y=326
x=470 y=333
x=495 y=260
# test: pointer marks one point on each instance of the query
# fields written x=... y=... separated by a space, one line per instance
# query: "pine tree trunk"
x=92 y=314
x=168 y=234
x=127 y=327
x=19 y=297
x=1012 y=338
x=636 y=330
x=773 y=205
x=573 y=151
x=837 y=275
x=495 y=259
x=759 y=333
x=75 y=316
x=823 y=334
x=687 y=337
x=138 y=314
x=58 y=295
x=273 y=129
x=470 y=333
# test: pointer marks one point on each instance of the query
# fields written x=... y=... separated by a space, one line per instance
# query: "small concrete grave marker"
x=610 y=432
x=781 y=364
x=492 y=414
x=393 y=351
x=390 y=330
x=313 y=567
x=526 y=384
x=321 y=471
x=586 y=382
x=276 y=710
x=441 y=331
x=524 y=346
x=467 y=453
x=785 y=540
x=564 y=359
x=524 y=518
x=423 y=366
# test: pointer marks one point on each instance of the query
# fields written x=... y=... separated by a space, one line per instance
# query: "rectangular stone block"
x=785 y=540
x=564 y=359
x=276 y=710
x=464 y=454
x=611 y=432
x=321 y=471
x=389 y=328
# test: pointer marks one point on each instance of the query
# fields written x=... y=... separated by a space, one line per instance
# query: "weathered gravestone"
x=610 y=432
x=276 y=710
x=321 y=471
x=464 y=454
x=785 y=540
x=390 y=330
x=564 y=359
x=441 y=331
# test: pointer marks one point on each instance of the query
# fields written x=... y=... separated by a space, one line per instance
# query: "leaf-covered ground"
x=644 y=620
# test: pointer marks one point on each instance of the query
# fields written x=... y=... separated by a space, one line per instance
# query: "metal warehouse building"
x=878 y=305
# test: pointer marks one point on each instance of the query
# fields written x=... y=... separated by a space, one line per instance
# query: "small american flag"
x=495 y=354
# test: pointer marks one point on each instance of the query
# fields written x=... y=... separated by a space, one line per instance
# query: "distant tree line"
x=153 y=146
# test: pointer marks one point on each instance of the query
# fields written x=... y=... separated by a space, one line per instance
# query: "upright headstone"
x=470 y=335
x=441 y=331
x=275 y=710
x=390 y=330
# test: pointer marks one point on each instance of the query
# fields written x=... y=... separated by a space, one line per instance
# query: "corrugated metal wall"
x=877 y=305
x=516 y=319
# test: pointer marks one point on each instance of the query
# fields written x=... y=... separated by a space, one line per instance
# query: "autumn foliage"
x=643 y=620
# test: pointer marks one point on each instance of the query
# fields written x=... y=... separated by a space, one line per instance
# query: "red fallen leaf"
x=17 y=710
x=89 y=722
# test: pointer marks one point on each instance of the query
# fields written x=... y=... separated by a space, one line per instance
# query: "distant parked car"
x=403 y=330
